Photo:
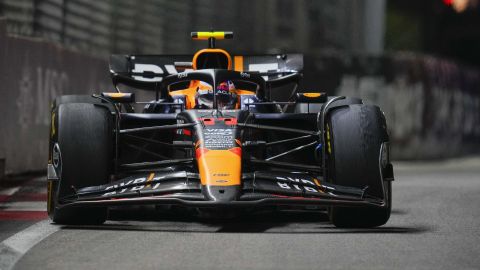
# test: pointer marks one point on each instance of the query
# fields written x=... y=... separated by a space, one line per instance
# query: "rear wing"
x=147 y=71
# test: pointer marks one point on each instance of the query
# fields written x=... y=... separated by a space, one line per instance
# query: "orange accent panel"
x=230 y=121
x=190 y=96
x=200 y=151
x=208 y=121
x=116 y=95
x=317 y=182
x=223 y=166
x=238 y=61
x=240 y=92
x=312 y=95
x=149 y=180
x=239 y=143
x=236 y=151
x=200 y=85
x=194 y=61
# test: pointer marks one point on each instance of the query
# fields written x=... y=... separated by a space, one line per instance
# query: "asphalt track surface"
x=434 y=225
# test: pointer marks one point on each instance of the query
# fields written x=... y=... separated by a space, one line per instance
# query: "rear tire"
x=355 y=136
x=84 y=139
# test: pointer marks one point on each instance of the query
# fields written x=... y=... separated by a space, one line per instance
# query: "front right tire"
x=355 y=134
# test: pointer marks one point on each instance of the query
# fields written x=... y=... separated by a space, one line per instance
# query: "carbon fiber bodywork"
x=264 y=181
x=260 y=188
x=261 y=153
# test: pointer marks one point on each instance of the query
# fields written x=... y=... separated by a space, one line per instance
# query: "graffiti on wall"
x=33 y=73
x=37 y=87
x=432 y=105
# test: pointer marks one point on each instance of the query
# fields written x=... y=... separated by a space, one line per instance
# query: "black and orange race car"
x=213 y=137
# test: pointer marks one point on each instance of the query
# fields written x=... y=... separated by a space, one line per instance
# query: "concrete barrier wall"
x=432 y=105
x=32 y=73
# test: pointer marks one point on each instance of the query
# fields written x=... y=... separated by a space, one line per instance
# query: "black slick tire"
x=355 y=136
x=84 y=140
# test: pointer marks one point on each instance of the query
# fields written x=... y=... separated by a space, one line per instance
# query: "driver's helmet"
x=226 y=97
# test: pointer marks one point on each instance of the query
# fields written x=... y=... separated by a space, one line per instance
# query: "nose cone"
x=219 y=167
x=220 y=172
x=222 y=193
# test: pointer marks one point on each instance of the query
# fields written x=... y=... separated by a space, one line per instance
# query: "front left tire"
x=83 y=136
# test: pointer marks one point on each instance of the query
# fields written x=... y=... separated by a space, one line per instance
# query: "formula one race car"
x=213 y=138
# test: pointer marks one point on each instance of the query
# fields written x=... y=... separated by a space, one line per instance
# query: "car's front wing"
x=183 y=188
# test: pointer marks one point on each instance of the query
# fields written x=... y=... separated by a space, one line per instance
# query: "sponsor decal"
x=289 y=183
x=244 y=75
x=245 y=100
x=296 y=183
x=295 y=180
x=218 y=138
x=178 y=100
x=134 y=182
x=182 y=75
x=180 y=131
x=288 y=186
x=221 y=181
x=146 y=68
x=221 y=174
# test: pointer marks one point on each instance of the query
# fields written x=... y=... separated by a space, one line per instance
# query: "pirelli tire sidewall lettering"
x=330 y=162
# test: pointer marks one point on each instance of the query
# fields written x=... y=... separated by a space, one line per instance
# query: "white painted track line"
x=9 y=191
x=41 y=179
x=24 y=206
x=14 y=247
